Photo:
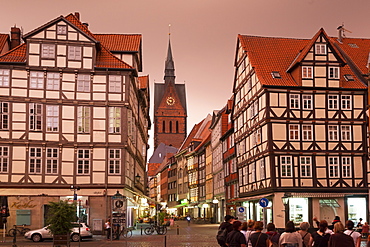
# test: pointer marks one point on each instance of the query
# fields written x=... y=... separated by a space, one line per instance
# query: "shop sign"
x=23 y=204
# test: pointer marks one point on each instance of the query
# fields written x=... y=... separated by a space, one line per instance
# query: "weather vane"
x=169 y=29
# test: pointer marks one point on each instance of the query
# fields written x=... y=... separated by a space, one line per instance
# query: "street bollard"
x=15 y=238
x=165 y=241
x=178 y=230
x=141 y=230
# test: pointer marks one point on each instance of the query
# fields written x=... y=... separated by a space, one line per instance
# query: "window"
x=293 y=132
x=307 y=132
x=294 y=101
x=35 y=116
x=333 y=167
x=4 y=115
x=320 y=49
x=4 y=77
x=333 y=133
x=114 y=161
x=83 y=161
x=83 y=119
x=35 y=160
x=262 y=169
x=286 y=166
x=307 y=72
x=48 y=51
x=307 y=102
x=346 y=102
x=349 y=77
x=4 y=159
x=114 y=120
x=74 y=53
x=37 y=80
x=345 y=132
x=254 y=108
x=306 y=166
x=61 y=29
x=333 y=73
x=52 y=118
x=115 y=83
x=51 y=160
x=333 y=102
x=52 y=81
x=253 y=172
x=275 y=74
x=83 y=83
x=346 y=167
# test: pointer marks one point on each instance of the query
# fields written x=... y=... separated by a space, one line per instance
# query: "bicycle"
x=161 y=230
x=21 y=230
x=122 y=231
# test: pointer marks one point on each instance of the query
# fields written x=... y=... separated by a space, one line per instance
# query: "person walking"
x=235 y=238
x=320 y=238
x=247 y=230
x=306 y=236
x=365 y=230
x=259 y=239
x=339 y=239
x=224 y=229
x=273 y=234
x=351 y=232
x=290 y=238
x=107 y=228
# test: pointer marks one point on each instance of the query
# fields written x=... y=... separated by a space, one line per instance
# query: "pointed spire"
x=169 y=71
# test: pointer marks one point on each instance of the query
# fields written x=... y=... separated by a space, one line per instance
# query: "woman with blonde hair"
x=259 y=239
x=247 y=230
x=339 y=239
x=304 y=233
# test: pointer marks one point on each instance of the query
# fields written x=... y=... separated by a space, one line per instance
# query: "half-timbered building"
x=73 y=113
x=301 y=127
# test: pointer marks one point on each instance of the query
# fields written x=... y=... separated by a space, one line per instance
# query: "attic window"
x=353 y=45
x=349 y=77
x=275 y=74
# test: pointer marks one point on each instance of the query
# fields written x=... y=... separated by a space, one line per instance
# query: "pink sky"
x=203 y=33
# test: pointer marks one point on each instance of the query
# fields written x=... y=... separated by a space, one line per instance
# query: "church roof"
x=159 y=90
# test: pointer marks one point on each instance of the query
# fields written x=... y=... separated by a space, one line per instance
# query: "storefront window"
x=356 y=210
x=298 y=210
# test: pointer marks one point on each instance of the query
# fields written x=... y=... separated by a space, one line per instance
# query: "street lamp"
x=75 y=188
x=285 y=200
x=137 y=178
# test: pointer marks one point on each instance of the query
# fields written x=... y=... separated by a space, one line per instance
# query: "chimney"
x=340 y=33
x=86 y=25
x=15 y=37
x=77 y=14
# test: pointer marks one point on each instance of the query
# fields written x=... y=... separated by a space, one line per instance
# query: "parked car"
x=44 y=233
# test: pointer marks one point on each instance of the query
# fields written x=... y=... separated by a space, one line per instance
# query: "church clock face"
x=170 y=101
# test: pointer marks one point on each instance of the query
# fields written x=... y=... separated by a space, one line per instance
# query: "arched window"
x=170 y=126
x=164 y=126
x=177 y=126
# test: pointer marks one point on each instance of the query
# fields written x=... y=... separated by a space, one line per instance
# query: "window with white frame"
x=52 y=160
x=36 y=79
x=114 y=161
x=83 y=83
x=83 y=161
x=52 y=118
x=115 y=83
x=52 y=81
x=35 y=157
x=307 y=102
x=74 y=53
x=61 y=29
x=307 y=72
x=333 y=102
x=286 y=166
x=306 y=166
x=333 y=132
x=307 y=132
x=320 y=49
x=245 y=175
x=345 y=132
x=346 y=102
x=47 y=51
x=262 y=169
x=35 y=115
x=4 y=77
x=83 y=119
x=294 y=101
x=4 y=115
x=293 y=132
x=333 y=167
x=4 y=159
x=114 y=119
x=346 y=167
x=333 y=72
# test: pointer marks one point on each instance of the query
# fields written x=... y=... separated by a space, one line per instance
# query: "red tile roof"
x=120 y=42
x=75 y=21
x=105 y=59
x=268 y=54
x=16 y=55
x=144 y=82
x=3 y=40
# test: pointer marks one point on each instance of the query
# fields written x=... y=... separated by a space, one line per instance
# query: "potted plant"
x=60 y=218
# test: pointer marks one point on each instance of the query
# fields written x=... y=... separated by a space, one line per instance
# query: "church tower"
x=170 y=112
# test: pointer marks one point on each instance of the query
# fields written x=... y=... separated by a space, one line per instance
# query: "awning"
x=324 y=195
x=253 y=198
x=181 y=205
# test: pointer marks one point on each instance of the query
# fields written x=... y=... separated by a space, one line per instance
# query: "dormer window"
x=320 y=49
x=275 y=74
x=349 y=77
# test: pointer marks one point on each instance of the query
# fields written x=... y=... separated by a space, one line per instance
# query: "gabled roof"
x=186 y=143
x=144 y=82
x=4 y=38
x=105 y=59
x=16 y=55
x=120 y=42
